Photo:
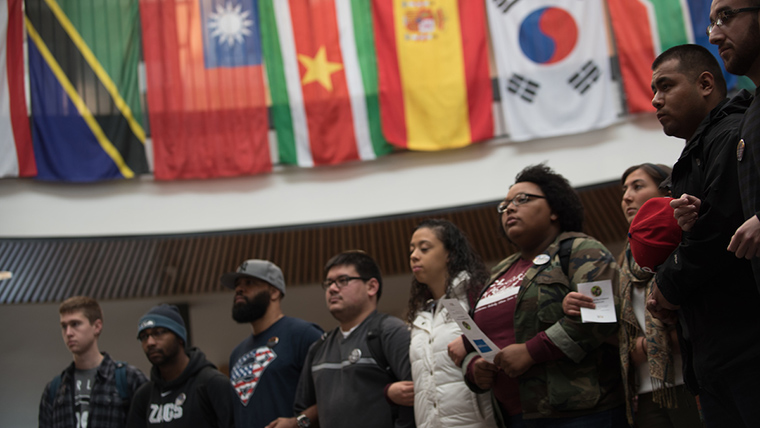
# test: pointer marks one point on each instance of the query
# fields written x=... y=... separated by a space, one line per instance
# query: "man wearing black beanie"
x=185 y=389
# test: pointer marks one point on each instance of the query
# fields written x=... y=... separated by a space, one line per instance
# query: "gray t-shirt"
x=83 y=380
x=346 y=383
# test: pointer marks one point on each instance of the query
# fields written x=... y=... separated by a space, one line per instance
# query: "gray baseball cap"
x=260 y=269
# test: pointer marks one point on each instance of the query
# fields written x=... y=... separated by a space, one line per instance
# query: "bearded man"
x=266 y=366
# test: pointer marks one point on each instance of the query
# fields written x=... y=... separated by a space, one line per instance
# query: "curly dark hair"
x=560 y=195
x=462 y=257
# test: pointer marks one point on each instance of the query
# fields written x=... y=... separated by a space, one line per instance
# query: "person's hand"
x=660 y=308
x=402 y=393
x=514 y=359
x=283 y=423
x=574 y=301
x=457 y=351
x=746 y=240
x=639 y=351
x=483 y=373
x=686 y=211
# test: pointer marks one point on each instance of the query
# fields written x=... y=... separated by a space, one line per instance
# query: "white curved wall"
x=399 y=183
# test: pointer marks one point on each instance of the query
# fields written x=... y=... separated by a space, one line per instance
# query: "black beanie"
x=166 y=316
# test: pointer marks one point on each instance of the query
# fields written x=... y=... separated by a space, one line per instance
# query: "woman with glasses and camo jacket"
x=552 y=370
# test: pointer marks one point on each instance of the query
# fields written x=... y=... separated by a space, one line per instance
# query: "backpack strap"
x=315 y=347
x=375 y=344
x=121 y=380
x=565 y=249
x=53 y=390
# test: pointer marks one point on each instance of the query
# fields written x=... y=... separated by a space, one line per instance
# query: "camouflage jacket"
x=588 y=379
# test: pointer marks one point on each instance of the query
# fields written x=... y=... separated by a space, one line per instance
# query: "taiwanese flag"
x=206 y=96
x=16 y=151
x=644 y=29
x=435 y=88
x=322 y=74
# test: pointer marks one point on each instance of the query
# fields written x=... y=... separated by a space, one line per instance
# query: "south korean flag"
x=553 y=63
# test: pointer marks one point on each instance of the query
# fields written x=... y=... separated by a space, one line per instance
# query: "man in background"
x=735 y=28
x=710 y=291
x=185 y=389
x=266 y=366
x=359 y=373
x=82 y=395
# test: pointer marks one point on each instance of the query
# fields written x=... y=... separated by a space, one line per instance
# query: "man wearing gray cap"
x=266 y=366
x=185 y=389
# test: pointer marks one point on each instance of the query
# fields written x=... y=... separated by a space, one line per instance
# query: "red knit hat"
x=654 y=233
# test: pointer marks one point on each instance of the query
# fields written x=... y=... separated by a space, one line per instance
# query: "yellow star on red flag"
x=319 y=69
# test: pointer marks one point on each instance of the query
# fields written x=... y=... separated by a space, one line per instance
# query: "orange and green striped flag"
x=435 y=88
x=320 y=61
x=644 y=29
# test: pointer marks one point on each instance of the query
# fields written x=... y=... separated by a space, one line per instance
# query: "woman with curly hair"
x=444 y=267
x=552 y=369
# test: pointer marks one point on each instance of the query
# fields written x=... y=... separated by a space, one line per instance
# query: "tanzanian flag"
x=86 y=114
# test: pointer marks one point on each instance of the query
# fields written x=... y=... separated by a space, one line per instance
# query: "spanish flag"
x=435 y=88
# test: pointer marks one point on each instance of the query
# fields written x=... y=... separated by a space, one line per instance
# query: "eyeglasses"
x=726 y=15
x=155 y=334
x=340 y=281
x=518 y=200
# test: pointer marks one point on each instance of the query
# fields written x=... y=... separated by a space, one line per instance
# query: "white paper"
x=485 y=347
x=604 y=299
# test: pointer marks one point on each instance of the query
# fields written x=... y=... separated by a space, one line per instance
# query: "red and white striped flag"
x=16 y=151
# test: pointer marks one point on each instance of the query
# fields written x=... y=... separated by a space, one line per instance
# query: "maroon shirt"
x=495 y=315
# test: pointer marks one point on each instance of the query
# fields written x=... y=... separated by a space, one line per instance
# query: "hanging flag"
x=322 y=74
x=86 y=114
x=553 y=65
x=646 y=28
x=435 y=88
x=206 y=96
x=16 y=151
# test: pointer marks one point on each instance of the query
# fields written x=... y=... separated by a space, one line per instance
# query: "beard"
x=253 y=309
x=159 y=356
x=745 y=53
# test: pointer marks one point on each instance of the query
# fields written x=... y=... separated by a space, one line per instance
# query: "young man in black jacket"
x=703 y=285
x=185 y=389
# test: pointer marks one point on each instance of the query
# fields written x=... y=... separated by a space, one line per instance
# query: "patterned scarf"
x=659 y=355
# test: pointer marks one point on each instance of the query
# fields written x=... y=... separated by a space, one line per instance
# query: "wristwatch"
x=303 y=421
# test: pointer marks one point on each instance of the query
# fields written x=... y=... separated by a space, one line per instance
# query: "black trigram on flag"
x=504 y=5
x=522 y=87
x=585 y=77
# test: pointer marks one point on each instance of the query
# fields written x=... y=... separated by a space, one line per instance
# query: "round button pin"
x=273 y=341
x=354 y=356
x=541 y=259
